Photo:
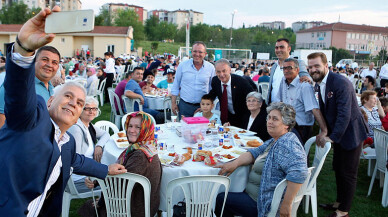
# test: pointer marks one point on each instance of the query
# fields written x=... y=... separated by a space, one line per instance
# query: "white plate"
x=240 y=131
x=242 y=142
x=235 y=152
x=115 y=137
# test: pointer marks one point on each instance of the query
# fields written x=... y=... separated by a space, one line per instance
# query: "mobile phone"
x=70 y=21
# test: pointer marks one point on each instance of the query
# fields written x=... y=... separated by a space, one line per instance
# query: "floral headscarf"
x=146 y=139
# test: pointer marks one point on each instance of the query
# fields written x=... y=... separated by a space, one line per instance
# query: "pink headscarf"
x=93 y=70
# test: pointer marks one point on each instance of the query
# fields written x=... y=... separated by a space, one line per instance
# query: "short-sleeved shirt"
x=163 y=84
x=120 y=89
x=214 y=117
x=302 y=97
x=144 y=83
x=133 y=86
x=40 y=89
x=263 y=78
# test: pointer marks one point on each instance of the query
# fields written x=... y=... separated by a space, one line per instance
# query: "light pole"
x=231 y=30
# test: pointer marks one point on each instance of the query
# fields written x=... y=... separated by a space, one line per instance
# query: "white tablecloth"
x=155 y=103
x=238 y=178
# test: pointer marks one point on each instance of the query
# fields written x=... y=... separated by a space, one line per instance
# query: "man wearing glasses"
x=282 y=51
x=192 y=81
x=301 y=96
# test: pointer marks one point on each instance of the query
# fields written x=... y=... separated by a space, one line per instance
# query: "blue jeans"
x=237 y=203
x=186 y=109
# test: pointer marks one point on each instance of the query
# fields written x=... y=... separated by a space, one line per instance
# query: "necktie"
x=320 y=100
x=224 y=105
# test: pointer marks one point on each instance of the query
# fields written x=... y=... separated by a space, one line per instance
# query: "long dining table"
x=168 y=136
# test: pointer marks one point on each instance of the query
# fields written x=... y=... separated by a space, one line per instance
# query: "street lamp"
x=231 y=29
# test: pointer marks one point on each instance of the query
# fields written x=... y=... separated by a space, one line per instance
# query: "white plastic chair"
x=117 y=191
x=370 y=155
x=200 y=193
x=81 y=81
x=381 y=145
x=278 y=194
x=215 y=110
x=72 y=193
x=93 y=89
x=114 y=117
x=125 y=118
x=263 y=89
x=319 y=160
x=100 y=92
x=106 y=125
x=130 y=104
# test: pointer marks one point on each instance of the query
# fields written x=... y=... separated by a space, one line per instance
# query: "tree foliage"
x=17 y=13
x=103 y=18
x=339 y=54
x=129 y=17
x=158 y=31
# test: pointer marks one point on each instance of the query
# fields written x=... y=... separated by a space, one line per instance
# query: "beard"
x=317 y=75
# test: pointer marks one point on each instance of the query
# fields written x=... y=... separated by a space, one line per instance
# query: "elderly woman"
x=281 y=157
x=140 y=158
x=255 y=121
x=369 y=101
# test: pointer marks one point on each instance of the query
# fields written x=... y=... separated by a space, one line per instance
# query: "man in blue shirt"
x=46 y=66
x=192 y=81
x=133 y=91
x=169 y=81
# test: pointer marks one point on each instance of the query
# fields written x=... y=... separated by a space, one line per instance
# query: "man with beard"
x=346 y=130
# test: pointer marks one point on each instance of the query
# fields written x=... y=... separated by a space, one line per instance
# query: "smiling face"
x=223 y=72
x=46 y=65
x=199 y=53
x=317 y=69
x=206 y=105
x=66 y=106
x=133 y=130
x=290 y=71
x=371 y=102
x=275 y=126
x=253 y=104
x=89 y=112
x=150 y=79
x=282 y=50
x=137 y=75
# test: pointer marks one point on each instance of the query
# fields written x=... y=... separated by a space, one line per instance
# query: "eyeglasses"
x=88 y=109
x=253 y=100
x=288 y=68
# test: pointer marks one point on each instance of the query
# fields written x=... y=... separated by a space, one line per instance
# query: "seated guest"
x=369 y=101
x=255 y=121
x=133 y=91
x=120 y=89
x=141 y=158
x=207 y=105
x=169 y=81
x=148 y=85
x=81 y=72
x=100 y=76
x=384 y=105
x=281 y=157
x=247 y=76
x=265 y=76
x=369 y=83
x=91 y=73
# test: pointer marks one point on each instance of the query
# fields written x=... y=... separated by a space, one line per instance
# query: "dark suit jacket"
x=240 y=89
x=259 y=125
x=29 y=152
x=344 y=120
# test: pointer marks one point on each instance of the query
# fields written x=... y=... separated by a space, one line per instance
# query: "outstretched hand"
x=32 y=35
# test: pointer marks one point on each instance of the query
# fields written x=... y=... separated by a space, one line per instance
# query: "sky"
x=253 y=12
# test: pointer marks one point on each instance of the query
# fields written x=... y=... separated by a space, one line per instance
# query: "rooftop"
x=347 y=28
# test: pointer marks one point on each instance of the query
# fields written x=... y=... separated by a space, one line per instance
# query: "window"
x=349 y=35
x=352 y=47
x=312 y=35
x=62 y=40
x=357 y=36
x=348 y=46
x=353 y=35
x=362 y=47
x=366 y=37
x=318 y=34
x=324 y=34
x=363 y=36
x=356 y=47
x=110 y=48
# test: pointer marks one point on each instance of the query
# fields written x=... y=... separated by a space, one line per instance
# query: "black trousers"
x=305 y=132
x=108 y=84
x=382 y=82
x=345 y=166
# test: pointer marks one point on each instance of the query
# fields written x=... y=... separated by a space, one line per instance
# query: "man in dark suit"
x=237 y=88
x=346 y=128
x=37 y=156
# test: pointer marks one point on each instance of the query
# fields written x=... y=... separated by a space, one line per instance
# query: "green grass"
x=326 y=188
x=162 y=47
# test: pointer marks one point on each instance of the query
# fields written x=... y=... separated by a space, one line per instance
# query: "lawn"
x=362 y=206
x=162 y=47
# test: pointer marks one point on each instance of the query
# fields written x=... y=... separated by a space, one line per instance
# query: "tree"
x=339 y=54
x=103 y=18
x=129 y=17
x=166 y=30
x=151 y=28
x=154 y=46
x=16 y=13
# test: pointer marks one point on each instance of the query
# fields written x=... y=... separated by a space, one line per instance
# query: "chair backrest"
x=117 y=191
x=130 y=104
x=80 y=81
x=106 y=125
x=381 y=144
x=112 y=98
x=319 y=159
x=358 y=86
x=71 y=187
x=278 y=194
x=125 y=118
x=93 y=89
x=263 y=89
x=166 y=105
x=200 y=193
x=102 y=86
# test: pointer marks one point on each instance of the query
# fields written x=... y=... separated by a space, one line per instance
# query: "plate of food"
x=120 y=139
x=239 y=131
x=248 y=142
x=225 y=157
x=165 y=158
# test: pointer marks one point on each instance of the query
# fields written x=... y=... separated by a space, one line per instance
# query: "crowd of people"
x=50 y=121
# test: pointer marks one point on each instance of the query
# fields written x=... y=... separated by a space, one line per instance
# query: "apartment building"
x=113 y=7
x=297 y=26
x=178 y=17
x=273 y=25
x=66 y=5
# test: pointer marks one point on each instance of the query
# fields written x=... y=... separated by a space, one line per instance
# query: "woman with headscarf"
x=91 y=73
x=141 y=158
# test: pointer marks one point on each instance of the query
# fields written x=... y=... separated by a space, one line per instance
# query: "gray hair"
x=256 y=95
x=287 y=111
x=59 y=88
x=199 y=43
x=222 y=61
x=295 y=61
x=90 y=100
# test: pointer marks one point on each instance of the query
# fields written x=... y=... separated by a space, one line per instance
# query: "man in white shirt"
x=110 y=73
x=370 y=71
x=384 y=74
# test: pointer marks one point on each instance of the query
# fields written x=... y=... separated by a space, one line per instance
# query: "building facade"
x=178 y=17
x=102 y=39
x=297 y=26
x=66 y=5
x=140 y=11
x=360 y=39
x=273 y=25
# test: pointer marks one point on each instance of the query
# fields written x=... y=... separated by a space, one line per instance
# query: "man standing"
x=192 y=81
x=369 y=71
x=282 y=51
x=231 y=90
x=37 y=156
x=301 y=97
x=346 y=128
x=110 y=73
x=384 y=74
x=46 y=66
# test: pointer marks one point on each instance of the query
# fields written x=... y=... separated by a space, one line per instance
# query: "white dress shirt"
x=229 y=91
x=276 y=80
x=384 y=72
x=110 y=66
x=322 y=86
